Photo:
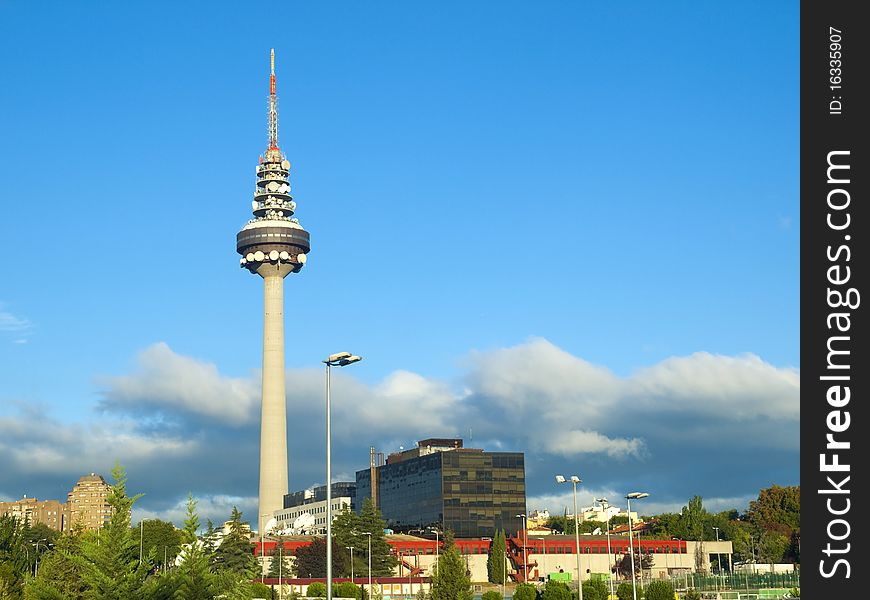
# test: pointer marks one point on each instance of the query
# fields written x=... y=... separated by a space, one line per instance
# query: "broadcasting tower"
x=272 y=245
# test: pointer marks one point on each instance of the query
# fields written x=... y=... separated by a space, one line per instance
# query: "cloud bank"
x=720 y=426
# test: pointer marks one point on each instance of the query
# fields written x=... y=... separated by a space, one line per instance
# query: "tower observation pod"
x=273 y=244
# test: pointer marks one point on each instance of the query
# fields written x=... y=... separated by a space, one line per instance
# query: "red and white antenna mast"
x=273 y=106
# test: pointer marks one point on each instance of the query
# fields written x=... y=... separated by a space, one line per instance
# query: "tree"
x=777 y=509
x=641 y=562
x=280 y=565
x=110 y=562
x=772 y=547
x=345 y=589
x=195 y=579
x=370 y=520
x=59 y=574
x=236 y=553
x=692 y=594
x=659 y=590
x=525 y=591
x=263 y=591
x=594 y=589
x=316 y=590
x=624 y=591
x=161 y=538
x=311 y=559
x=491 y=595
x=556 y=590
x=14 y=561
x=496 y=564
x=451 y=581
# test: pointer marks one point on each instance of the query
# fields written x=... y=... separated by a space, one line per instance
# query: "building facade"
x=441 y=484
x=87 y=503
x=304 y=511
x=30 y=510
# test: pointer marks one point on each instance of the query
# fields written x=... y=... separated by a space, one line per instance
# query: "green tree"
x=311 y=559
x=556 y=590
x=491 y=595
x=260 y=590
x=236 y=552
x=195 y=579
x=624 y=591
x=451 y=580
x=777 y=509
x=496 y=566
x=110 y=562
x=525 y=591
x=316 y=590
x=161 y=538
x=59 y=575
x=772 y=547
x=349 y=529
x=345 y=589
x=692 y=594
x=370 y=520
x=14 y=563
x=280 y=565
x=659 y=590
x=595 y=589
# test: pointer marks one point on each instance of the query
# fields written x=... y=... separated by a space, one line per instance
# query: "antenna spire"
x=273 y=105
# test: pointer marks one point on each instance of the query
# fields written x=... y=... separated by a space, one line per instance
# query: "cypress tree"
x=496 y=563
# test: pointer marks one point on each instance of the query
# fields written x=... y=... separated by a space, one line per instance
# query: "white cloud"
x=19 y=326
x=170 y=381
x=735 y=388
x=182 y=423
x=218 y=508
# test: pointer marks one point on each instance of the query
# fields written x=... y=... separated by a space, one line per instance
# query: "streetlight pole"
x=437 y=544
x=339 y=359
x=280 y=567
x=575 y=480
x=630 y=497
x=718 y=560
x=351 y=562
x=525 y=544
x=369 y=533
x=262 y=548
x=606 y=506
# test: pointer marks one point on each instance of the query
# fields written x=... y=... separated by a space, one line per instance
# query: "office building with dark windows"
x=442 y=484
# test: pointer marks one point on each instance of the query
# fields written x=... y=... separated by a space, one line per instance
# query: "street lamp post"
x=262 y=548
x=280 y=567
x=339 y=359
x=630 y=497
x=36 y=566
x=351 y=562
x=437 y=544
x=525 y=544
x=369 y=533
x=606 y=506
x=575 y=480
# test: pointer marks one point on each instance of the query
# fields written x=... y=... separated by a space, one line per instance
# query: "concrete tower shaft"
x=273 y=244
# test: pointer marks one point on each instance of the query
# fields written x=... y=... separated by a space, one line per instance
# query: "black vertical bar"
x=834 y=227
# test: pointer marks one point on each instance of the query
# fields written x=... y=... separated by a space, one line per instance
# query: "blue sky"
x=587 y=192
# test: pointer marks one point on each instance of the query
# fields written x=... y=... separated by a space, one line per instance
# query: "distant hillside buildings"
x=86 y=504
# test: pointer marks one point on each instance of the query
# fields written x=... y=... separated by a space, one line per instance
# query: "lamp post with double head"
x=575 y=480
x=629 y=498
x=351 y=562
x=606 y=506
x=339 y=359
